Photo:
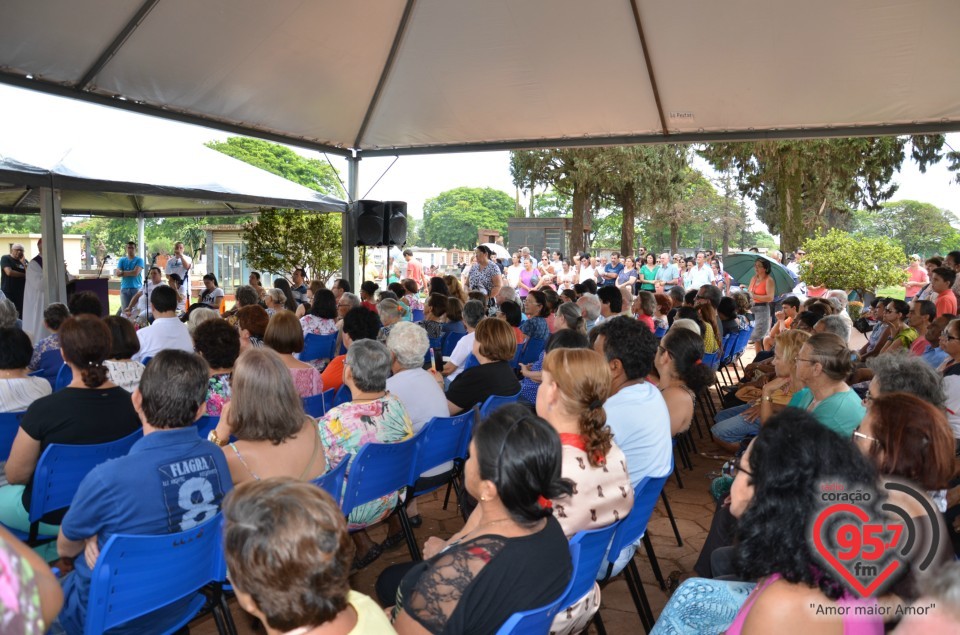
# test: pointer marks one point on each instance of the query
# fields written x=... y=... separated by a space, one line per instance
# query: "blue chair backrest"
x=743 y=339
x=441 y=439
x=531 y=350
x=328 y=396
x=659 y=333
x=50 y=364
x=472 y=422
x=342 y=395
x=632 y=528
x=471 y=362
x=378 y=469
x=710 y=359
x=538 y=621
x=205 y=424
x=315 y=406
x=332 y=481
x=9 y=425
x=436 y=342
x=146 y=360
x=729 y=346
x=318 y=347
x=64 y=377
x=61 y=468
x=450 y=341
x=495 y=401
x=171 y=566
x=592 y=549
x=417 y=315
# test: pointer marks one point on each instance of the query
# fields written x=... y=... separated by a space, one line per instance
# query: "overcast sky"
x=412 y=179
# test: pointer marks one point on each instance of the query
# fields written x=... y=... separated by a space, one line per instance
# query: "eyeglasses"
x=944 y=336
x=867 y=398
x=731 y=469
x=859 y=435
x=809 y=361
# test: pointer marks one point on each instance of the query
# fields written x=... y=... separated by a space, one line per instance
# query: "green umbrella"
x=741 y=267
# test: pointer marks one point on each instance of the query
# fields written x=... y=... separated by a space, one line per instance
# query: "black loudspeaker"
x=394 y=223
x=367 y=218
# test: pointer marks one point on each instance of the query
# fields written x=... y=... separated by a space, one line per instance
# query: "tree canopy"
x=452 y=218
x=921 y=228
x=839 y=260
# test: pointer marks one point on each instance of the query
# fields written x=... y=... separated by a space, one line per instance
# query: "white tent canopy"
x=373 y=77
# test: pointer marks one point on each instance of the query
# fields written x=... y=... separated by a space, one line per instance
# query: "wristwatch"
x=216 y=440
x=764 y=398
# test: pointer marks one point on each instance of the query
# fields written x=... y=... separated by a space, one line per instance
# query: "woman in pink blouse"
x=285 y=336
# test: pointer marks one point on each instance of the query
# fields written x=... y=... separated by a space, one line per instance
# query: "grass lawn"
x=114 y=304
x=897 y=292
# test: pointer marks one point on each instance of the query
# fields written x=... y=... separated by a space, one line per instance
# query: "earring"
x=483 y=499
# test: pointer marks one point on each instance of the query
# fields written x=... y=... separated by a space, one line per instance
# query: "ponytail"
x=93 y=375
x=686 y=350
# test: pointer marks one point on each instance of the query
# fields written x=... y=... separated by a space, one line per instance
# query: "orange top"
x=755 y=287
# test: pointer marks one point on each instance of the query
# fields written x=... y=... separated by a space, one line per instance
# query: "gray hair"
x=590 y=305
x=352 y=298
x=198 y=316
x=836 y=325
x=572 y=316
x=389 y=307
x=246 y=295
x=900 y=372
x=408 y=342
x=839 y=295
x=686 y=323
x=648 y=304
x=943 y=584
x=8 y=313
x=277 y=295
x=369 y=363
x=473 y=312
x=506 y=294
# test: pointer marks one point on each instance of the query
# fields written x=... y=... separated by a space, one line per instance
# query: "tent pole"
x=51 y=228
x=141 y=247
x=349 y=235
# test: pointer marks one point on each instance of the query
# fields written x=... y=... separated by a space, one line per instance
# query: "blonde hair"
x=583 y=378
x=789 y=344
x=455 y=288
x=264 y=405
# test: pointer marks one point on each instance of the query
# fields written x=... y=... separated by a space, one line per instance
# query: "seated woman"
x=510 y=556
x=643 y=308
x=175 y=282
x=536 y=310
x=494 y=346
x=252 y=324
x=454 y=317
x=575 y=384
x=434 y=311
x=664 y=305
x=711 y=328
x=219 y=344
x=274 y=301
x=91 y=409
x=727 y=315
x=289 y=556
x=212 y=295
x=823 y=365
x=737 y=423
x=373 y=415
x=391 y=312
x=511 y=313
x=775 y=495
x=265 y=414
x=122 y=369
x=303 y=308
x=878 y=336
x=289 y=302
x=53 y=317
x=285 y=336
x=359 y=323
x=533 y=373
x=17 y=388
x=900 y=335
x=455 y=288
x=321 y=319
x=411 y=295
x=679 y=361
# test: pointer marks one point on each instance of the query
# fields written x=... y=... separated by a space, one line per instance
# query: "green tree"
x=551 y=204
x=281 y=240
x=921 y=228
x=19 y=223
x=799 y=186
x=840 y=260
x=452 y=218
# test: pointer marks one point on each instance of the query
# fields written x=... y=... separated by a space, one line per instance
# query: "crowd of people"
x=625 y=359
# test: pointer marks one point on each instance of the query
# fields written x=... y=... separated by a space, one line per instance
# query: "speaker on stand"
x=366 y=217
x=394 y=227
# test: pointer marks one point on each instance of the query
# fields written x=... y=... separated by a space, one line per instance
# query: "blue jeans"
x=702 y=606
x=125 y=296
x=731 y=427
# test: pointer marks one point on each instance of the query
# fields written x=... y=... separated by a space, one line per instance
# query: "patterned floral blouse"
x=49 y=343
x=218 y=393
x=313 y=325
x=19 y=595
x=535 y=328
x=348 y=427
x=307 y=380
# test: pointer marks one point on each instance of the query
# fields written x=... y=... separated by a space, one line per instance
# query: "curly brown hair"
x=584 y=379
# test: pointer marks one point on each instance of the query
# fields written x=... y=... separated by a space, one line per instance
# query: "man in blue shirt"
x=130 y=272
x=171 y=481
x=668 y=275
x=611 y=270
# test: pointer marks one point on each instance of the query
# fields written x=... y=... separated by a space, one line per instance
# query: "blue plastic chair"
x=318 y=347
x=59 y=472
x=450 y=341
x=591 y=547
x=315 y=406
x=631 y=530
x=333 y=480
x=205 y=424
x=531 y=350
x=172 y=566
x=710 y=359
x=495 y=401
x=146 y=360
x=343 y=395
x=64 y=377
x=659 y=333
x=471 y=362
x=379 y=469
x=538 y=621
x=436 y=342
x=50 y=364
x=9 y=425
x=417 y=315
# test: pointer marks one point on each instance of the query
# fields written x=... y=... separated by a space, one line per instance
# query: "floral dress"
x=307 y=381
x=218 y=393
x=348 y=427
x=19 y=595
x=313 y=325
x=49 y=343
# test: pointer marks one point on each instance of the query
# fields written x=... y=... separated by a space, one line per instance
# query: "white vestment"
x=34 y=302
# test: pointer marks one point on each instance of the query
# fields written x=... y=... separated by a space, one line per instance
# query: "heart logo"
x=858 y=552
